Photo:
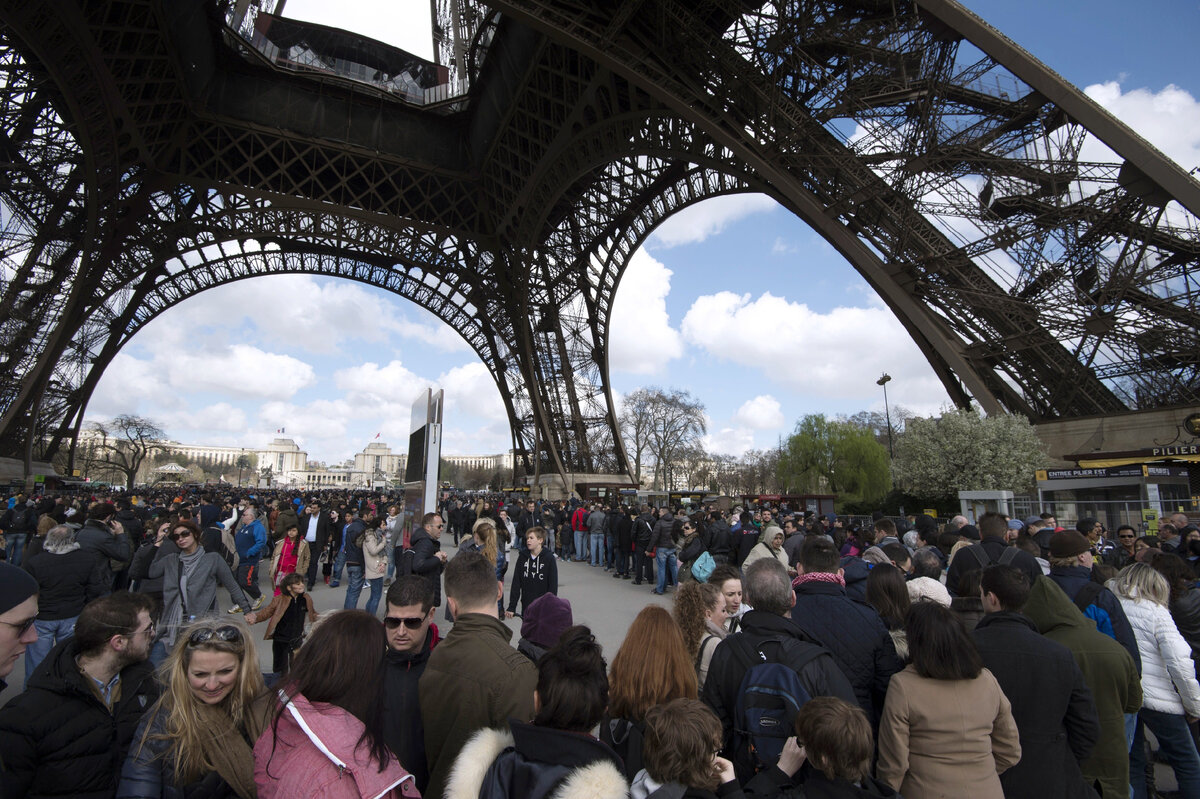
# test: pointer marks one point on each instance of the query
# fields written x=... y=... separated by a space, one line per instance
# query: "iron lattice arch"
x=1042 y=255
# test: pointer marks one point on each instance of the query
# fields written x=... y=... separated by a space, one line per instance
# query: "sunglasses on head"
x=228 y=634
x=411 y=622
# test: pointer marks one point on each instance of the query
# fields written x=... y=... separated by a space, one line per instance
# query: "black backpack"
x=1006 y=557
x=768 y=698
x=404 y=560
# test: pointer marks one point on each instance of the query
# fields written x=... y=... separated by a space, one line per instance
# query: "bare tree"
x=125 y=443
x=636 y=421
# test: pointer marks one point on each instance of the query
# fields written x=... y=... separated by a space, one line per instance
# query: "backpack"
x=1087 y=596
x=404 y=560
x=229 y=550
x=985 y=560
x=768 y=699
x=19 y=516
x=703 y=567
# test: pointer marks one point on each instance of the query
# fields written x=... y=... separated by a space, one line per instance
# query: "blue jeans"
x=376 y=584
x=49 y=633
x=339 y=563
x=158 y=653
x=391 y=561
x=1174 y=744
x=597 y=540
x=580 y=544
x=354 y=573
x=664 y=559
x=15 y=545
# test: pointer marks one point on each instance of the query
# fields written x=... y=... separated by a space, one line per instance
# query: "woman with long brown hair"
x=651 y=667
x=326 y=735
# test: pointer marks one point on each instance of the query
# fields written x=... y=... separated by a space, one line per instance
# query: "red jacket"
x=313 y=752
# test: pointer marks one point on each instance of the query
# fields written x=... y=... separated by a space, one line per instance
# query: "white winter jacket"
x=1168 y=672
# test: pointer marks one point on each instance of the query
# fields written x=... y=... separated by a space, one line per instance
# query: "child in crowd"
x=288 y=613
x=680 y=755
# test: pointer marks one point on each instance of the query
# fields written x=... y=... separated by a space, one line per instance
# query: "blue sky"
x=734 y=299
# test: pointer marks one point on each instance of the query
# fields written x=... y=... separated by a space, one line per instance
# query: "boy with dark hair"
x=681 y=743
x=474 y=678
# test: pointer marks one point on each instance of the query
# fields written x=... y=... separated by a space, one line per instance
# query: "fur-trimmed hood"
x=555 y=778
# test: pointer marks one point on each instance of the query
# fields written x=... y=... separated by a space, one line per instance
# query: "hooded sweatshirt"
x=1109 y=672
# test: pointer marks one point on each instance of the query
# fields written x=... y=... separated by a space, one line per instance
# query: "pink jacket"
x=315 y=754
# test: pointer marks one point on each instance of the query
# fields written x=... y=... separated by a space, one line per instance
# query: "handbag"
x=703 y=567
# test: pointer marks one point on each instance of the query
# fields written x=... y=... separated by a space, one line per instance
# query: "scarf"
x=230 y=748
x=819 y=577
x=173 y=611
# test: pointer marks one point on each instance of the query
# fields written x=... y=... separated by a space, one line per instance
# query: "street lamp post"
x=883 y=381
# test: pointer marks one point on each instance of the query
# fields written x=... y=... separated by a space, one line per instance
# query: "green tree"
x=836 y=456
x=963 y=451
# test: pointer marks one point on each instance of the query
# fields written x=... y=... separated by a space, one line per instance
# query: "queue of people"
x=799 y=659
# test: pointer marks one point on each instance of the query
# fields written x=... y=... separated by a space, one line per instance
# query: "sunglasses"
x=21 y=627
x=411 y=622
x=228 y=634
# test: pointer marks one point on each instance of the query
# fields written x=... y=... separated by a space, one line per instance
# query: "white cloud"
x=641 y=339
x=761 y=413
x=837 y=354
x=708 y=218
x=239 y=370
x=729 y=440
x=782 y=247
x=1169 y=119
x=470 y=389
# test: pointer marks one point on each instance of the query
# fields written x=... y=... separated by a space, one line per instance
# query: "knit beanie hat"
x=927 y=588
x=16 y=585
x=546 y=619
x=1068 y=544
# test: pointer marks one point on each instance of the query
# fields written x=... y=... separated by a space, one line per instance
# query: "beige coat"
x=946 y=738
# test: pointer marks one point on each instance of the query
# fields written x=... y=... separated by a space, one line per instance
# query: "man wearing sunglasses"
x=410 y=640
x=428 y=558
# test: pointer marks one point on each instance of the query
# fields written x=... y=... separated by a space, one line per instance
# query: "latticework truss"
x=1042 y=255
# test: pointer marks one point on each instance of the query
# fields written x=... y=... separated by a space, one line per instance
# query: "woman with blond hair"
x=1170 y=692
x=652 y=667
x=197 y=739
x=700 y=613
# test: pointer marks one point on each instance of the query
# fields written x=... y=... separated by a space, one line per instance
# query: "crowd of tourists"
x=802 y=655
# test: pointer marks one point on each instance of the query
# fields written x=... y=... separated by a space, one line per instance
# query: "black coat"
x=67 y=582
x=812 y=784
x=425 y=561
x=58 y=739
x=1185 y=610
x=855 y=636
x=1056 y=717
x=965 y=562
x=403 y=731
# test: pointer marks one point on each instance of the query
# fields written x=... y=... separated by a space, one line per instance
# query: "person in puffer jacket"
x=1170 y=692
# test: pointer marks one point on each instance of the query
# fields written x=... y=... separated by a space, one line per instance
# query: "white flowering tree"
x=963 y=451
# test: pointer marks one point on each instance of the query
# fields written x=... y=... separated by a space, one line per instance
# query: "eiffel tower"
x=157 y=149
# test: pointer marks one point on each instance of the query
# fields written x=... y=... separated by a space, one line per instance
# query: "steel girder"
x=151 y=153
